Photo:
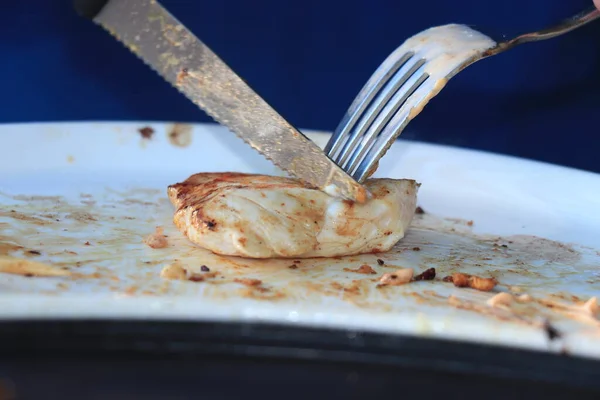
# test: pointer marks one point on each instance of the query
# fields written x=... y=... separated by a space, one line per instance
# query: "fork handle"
x=576 y=21
x=89 y=8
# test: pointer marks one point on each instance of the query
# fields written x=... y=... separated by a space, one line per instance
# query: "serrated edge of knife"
x=131 y=48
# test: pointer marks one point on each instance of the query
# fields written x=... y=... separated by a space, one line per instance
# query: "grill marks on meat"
x=263 y=216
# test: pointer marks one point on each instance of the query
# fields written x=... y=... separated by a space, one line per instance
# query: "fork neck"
x=576 y=21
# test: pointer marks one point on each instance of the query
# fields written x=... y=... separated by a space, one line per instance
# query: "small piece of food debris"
x=293 y=266
x=204 y=268
x=157 y=240
x=590 y=307
x=399 y=277
x=419 y=210
x=87 y=244
x=427 y=275
x=174 y=271
x=146 y=132
x=524 y=298
x=416 y=249
x=380 y=261
x=248 y=281
x=460 y=280
x=551 y=332
x=501 y=299
x=363 y=269
x=181 y=76
x=195 y=278
x=17 y=266
x=469 y=223
x=474 y=282
x=482 y=284
x=34 y=253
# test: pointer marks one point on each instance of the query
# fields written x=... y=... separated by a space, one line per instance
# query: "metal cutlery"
x=167 y=46
x=405 y=82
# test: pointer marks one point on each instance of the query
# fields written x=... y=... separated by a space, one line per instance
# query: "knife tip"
x=352 y=191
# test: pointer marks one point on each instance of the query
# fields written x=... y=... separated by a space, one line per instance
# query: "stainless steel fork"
x=404 y=83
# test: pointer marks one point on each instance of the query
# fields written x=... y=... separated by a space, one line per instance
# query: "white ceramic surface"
x=109 y=187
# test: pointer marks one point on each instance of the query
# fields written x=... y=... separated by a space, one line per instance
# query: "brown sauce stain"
x=19 y=266
x=25 y=218
x=248 y=281
x=180 y=135
x=363 y=269
x=81 y=216
x=8 y=248
x=264 y=294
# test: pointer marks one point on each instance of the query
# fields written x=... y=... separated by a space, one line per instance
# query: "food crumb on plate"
x=551 y=332
x=195 y=277
x=524 y=298
x=146 y=132
x=590 y=307
x=157 y=240
x=500 y=299
x=427 y=275
x=174 y=271
x=400 y=277
x=472 y=281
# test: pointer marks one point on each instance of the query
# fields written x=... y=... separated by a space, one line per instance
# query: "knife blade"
x=173 y=51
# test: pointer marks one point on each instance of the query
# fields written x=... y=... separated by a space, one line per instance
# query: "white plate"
x=111 y=183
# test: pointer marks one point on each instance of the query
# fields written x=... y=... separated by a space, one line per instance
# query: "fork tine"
x=375 y=108
x=383 y=73
x=412 y=83
x=409 y=109
x=398 y=90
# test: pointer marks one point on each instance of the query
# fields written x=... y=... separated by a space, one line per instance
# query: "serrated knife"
x=159 y=39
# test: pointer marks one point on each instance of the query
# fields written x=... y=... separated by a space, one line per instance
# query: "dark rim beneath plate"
x=89 y=338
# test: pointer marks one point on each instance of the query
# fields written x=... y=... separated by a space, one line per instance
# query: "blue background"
x=309 y=58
